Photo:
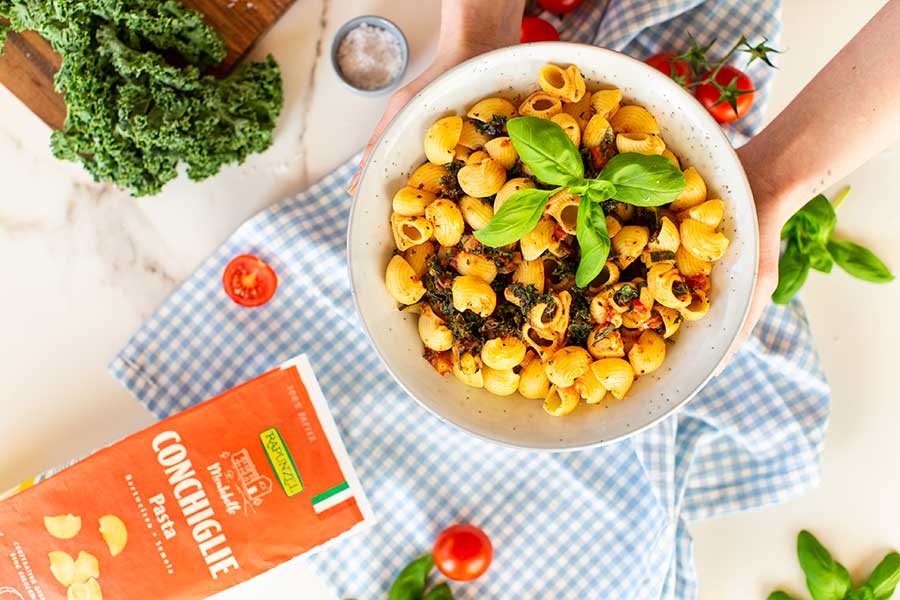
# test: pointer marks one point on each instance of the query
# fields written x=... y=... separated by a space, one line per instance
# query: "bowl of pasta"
x=553 y=246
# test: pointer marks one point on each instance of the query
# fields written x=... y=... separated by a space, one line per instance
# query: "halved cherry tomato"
x=249 y=281
x=673 y=68
x=710 y=97
x=560 y=6
x=462 y=552
x=535 y=29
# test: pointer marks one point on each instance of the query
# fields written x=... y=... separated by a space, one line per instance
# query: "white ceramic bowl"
x=700 y=347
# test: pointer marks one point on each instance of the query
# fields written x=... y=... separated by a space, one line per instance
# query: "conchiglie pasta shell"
x=509 y=188
x=634 y=119
x=473 y=293
x=608 y=346
x=442 y=138
x=562 y=207
x=411 y=202
x=694 y=191
x=667 y=239
x=671 y=156
x=566 y=365
x=484 y=110
x=447 y=220
x=428 y=177
x=475 y=212
x=628 y=244
x=471 y=137
x=697 y=308
x=533 y=382
x=503 y=353
x=502 y=150
x=648 y=353
x=467 y=368
x=467 y=263
x=690 y=265
x=570 y=125
x=709 y=213
x=597 y=131
x=530 y=272
x=660 y=280
x=538 y=240
x=580 y=110
x=642 y=143
x=410 y=231
x=613 y=226
x=401 y=281
x=561 y=401
x=703 y=241
x=614 y=374
x=418 y=257
x=500 y=382
x=462 y=153
x=541 y=105
x=606 y=102
x=434 y=334
x=590 y=388
x=481 y=179
x=671 y=319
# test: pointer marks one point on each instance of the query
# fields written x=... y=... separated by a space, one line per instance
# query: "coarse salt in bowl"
x=370 y=55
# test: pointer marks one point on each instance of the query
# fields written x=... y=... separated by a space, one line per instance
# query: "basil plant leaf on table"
x=809 y=245
x=410 y=583
x=548 y=152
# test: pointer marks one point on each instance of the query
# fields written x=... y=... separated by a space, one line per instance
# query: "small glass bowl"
x=382 y=23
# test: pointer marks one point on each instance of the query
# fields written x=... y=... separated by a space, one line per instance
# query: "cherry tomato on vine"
x=560 y=6
x=710 y=97
x=673 y=68
x=462 y=552
x=249 y=281
x=535 y=29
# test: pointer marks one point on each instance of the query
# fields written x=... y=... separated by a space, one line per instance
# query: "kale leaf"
x=138 y=102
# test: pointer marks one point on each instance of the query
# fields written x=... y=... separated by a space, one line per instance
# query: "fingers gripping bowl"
x=689 y=132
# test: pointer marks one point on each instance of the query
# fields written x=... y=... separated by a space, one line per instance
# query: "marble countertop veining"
x=83 y=265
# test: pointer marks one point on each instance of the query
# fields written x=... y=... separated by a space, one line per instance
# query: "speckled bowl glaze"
x=701 y=345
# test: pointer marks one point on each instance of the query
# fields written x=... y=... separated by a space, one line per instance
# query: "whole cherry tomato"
x=712 y=99
x=560 y=6
x=663 y=63
x=249 y=281
x=535 y=29
x=462 y=552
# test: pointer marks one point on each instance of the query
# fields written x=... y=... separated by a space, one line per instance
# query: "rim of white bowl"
x=713 y=127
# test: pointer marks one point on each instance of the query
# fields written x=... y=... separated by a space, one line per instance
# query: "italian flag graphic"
x=332 y=497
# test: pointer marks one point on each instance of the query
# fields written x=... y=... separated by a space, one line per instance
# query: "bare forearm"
x=849 y=112
x=476 y=26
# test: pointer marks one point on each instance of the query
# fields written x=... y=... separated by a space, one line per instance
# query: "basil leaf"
x=863 y=593
x=601 y=189
x=441 y=592
x=779 y=595
x=859 y=262
x=410 y=583
x=593 y=238
x=825 y=578
x=816 y=219
x=547 y=150
x=518 y=215
x=793 y=267
x=885 y=577
x=643 y=180
x=819 y=258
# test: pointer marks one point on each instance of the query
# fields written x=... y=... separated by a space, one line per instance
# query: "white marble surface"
x=84 y=265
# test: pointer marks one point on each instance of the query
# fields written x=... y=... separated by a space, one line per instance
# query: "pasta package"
x=191 y=506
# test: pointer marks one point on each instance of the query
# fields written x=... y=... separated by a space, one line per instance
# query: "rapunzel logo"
x=282 y=462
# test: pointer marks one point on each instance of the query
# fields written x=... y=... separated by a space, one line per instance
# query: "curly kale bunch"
x=138 y=102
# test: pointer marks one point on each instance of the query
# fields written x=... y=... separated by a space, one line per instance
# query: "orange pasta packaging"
x=195 y=504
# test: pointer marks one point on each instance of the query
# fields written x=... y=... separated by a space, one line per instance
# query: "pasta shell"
x=442 y=138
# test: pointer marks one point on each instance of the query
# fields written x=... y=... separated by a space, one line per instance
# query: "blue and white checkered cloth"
x=608 y=523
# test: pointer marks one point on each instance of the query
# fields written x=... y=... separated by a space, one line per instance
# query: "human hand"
x=468 y=28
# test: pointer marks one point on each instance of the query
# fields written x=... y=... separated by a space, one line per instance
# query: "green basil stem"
x=841 y=197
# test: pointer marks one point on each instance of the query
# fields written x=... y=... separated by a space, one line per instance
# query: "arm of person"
x=468 y=28
x=847 y=114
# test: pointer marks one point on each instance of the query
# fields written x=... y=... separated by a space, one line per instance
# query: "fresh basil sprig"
x=809 y=246
x=413 y=579
x=545 y=148
x=828 y=579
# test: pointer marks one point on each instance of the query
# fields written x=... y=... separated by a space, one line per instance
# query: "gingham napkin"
x=608 y=523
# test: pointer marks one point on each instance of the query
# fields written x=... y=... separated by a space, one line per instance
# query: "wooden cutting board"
x=28 y=64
